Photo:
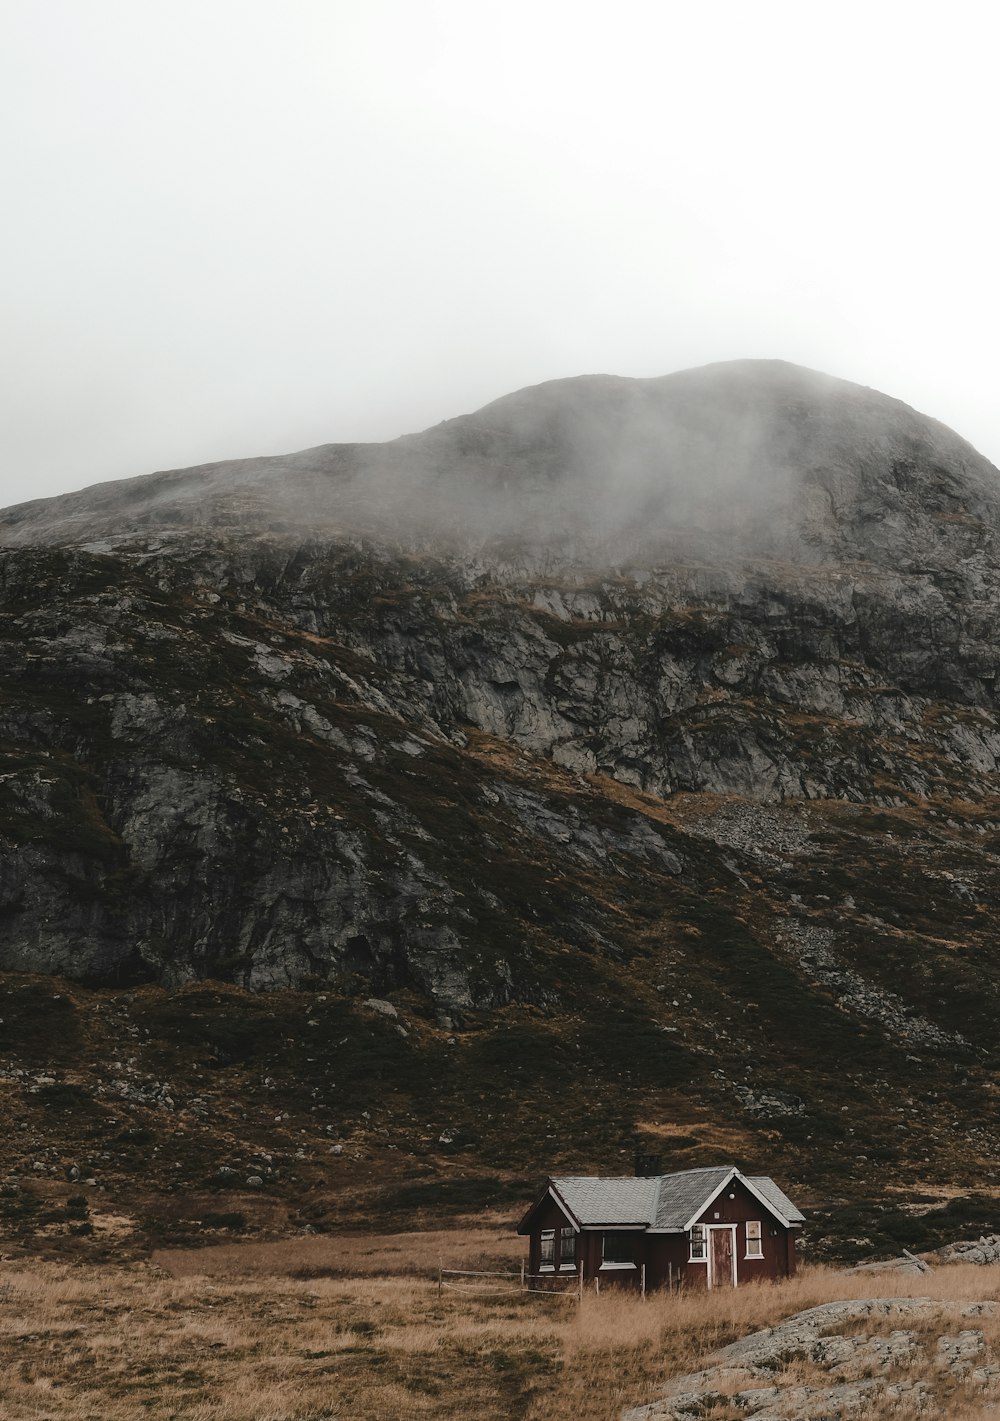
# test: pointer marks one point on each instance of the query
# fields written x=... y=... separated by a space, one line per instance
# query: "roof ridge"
x=655 y=1214
x=703 y=1169
x=666 y=1174
x=616 y=1178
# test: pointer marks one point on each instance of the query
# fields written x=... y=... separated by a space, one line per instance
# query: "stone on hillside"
x=982 y=1250
x=383 y=1008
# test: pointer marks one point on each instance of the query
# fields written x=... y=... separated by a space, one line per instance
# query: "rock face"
x=221 y=721
x=856 y=1373
x=678 y=695
x=983 y=1250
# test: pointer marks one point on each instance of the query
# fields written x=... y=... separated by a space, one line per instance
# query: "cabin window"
x=567 y=1249
x=618 y=1248
x=699 y=1244
x=755 y=1245
x=547 y=1256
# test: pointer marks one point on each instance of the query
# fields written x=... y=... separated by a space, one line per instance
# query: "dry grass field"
x=492 y=1246
x=240 y=1334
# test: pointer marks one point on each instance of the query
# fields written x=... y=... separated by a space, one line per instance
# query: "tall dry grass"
x=237 y=1343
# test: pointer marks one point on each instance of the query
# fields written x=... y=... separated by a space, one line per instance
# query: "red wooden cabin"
x=701 y=1228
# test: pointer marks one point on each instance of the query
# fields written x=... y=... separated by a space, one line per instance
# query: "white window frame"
x=759 y=1240
x=567 y=1265
x=608 y=1263
x=546 y=1236
x=703 y=1232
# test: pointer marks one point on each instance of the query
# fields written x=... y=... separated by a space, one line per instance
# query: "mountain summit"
x=747 y=458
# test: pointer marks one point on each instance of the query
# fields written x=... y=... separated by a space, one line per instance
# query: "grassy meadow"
x=322 y=1328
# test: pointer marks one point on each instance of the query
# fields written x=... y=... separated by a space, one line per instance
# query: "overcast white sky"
x=246 y=226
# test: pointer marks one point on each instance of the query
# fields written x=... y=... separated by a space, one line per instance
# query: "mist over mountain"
x=745 y=459
x=628 y=742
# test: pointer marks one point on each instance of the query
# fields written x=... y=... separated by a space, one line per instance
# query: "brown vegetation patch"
x=248 y=1338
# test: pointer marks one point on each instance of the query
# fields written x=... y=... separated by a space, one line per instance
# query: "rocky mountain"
x=610 y=771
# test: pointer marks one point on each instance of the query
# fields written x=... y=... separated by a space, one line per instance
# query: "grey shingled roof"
x=664 y=1202
x=608 y=1201
x=776 y=1197
x=683 y=1194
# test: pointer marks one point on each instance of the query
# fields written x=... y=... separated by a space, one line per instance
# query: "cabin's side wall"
x=591 y=1250
x=549 y=1216
x=668 y=1262
x=790 y=1259
x=617 y=1274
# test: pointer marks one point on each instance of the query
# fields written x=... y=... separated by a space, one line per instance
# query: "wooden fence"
x=558 y=1285
x=466 y=1280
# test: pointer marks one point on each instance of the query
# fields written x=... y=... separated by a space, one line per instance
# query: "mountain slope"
x=641 y=749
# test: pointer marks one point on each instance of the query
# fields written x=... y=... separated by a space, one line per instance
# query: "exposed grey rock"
x=983 y=1250
x=908 y=1263
x=850 y=1360
x=804 y=1403
x=383 y=1008
x=769 y=1103
x=813 y=945
x=961 y=1352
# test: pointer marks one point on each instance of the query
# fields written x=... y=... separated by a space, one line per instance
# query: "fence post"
x=597 y=1285
x=580 y=1294
x=439 y=1280
x=642 y=1279
x=522 y=1272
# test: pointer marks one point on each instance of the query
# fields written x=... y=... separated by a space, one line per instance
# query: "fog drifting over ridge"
x=246 y=227
x=744 y=459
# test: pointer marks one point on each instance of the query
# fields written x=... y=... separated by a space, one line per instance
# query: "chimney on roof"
x=644 y=1165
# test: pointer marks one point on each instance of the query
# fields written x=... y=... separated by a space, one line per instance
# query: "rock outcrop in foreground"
x=643 y=734
x=928 y=1368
